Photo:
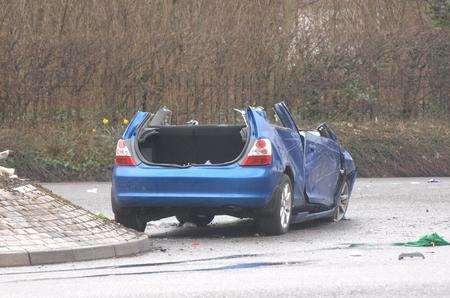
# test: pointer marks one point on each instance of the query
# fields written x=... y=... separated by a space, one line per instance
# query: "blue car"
x=272 y=172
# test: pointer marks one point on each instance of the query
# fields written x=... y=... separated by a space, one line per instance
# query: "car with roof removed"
x=271 y=172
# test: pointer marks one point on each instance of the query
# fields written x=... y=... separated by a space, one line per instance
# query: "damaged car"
x=272 y=172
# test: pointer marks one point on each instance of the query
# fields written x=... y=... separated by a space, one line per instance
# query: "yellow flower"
x=105 y=121
x=125 y=121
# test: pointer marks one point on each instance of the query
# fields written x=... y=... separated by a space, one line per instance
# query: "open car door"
x=285 y=116
x=322 y=161
x=322 y=168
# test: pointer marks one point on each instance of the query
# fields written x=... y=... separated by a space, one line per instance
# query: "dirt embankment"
x=380 y=149
x=403 y=149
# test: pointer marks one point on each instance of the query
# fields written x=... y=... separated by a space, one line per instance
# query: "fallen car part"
x=411 y=255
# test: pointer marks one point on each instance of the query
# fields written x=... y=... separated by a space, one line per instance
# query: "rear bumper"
x=193 y=187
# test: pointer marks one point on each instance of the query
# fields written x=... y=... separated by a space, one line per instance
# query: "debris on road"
x=426 y=241
x=8 y=172
x=156 y=228
x=5 y=154
x=411 y=255
x=433 y=180
x=92 y=190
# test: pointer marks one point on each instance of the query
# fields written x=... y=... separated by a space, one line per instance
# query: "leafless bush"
x=341 y=59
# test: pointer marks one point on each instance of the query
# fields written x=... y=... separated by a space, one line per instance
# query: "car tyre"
x=279 y=218
x=342 y=203
x=198 y=219
x=130 y=218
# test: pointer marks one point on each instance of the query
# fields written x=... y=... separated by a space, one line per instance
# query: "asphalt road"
x=229 y=258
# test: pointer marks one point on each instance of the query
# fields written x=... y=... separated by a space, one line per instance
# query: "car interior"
x=192 y=144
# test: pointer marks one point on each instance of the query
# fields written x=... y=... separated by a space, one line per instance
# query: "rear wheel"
x=342 y=204
x=130 y=218
x=278 y=220
x=198 y=219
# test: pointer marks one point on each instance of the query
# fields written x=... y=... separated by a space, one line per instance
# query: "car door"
x=322 y=168
x=293 y=142
x=321 y=160
x=285 y=116
x=138 y=118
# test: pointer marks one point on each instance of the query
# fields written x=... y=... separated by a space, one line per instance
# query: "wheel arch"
x=351 y=178
x=288 y=171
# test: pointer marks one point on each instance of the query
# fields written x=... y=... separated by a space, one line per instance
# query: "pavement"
x=230 y=259
x=37 y=227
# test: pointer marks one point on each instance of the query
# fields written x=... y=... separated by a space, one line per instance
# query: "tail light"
x=260 y=154
x=123 y=155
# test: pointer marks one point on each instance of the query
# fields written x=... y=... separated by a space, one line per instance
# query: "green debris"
x=103 y=217
x=426 y=241
x=353 y=245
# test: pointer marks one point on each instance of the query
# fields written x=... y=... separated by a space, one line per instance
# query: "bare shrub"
x=63 y=59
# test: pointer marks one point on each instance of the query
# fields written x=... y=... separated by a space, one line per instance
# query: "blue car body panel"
x=322 y=169
x=132 y=127
x=314 y=163
x=288 y=148
x=196 y=186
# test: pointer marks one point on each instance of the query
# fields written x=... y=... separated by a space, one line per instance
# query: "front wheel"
x=342 y=204
x=278 y=220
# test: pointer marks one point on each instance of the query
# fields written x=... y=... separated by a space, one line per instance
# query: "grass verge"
x=398 y=149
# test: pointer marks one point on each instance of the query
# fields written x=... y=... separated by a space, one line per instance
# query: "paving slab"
x=38 y=227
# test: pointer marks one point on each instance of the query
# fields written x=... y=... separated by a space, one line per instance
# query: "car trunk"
x=192 y=144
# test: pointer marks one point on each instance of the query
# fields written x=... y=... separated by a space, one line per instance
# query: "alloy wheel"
x=286 y=205
x=342 y=204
